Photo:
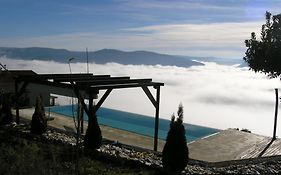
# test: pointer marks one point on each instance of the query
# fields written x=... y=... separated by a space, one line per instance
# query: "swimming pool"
x=136 y=123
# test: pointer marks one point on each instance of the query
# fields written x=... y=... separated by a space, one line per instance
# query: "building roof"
x=85 y=81
x=18 y=72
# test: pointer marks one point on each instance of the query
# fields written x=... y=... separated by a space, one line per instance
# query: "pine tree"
x=6 y=116
x=175 y=151
x=93 y=136
x=39 y=120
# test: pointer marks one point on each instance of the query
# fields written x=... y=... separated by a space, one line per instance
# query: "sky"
x=215 y=28
x=213 y=95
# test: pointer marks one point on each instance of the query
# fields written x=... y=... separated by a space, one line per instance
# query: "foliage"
x=6 y=116
x=264 y=55
x=39 y=120
x=26 y=156
x=175 y=151
x=93 y=137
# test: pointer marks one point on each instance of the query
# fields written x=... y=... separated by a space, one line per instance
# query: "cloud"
x=201 y=11
x=213 y=95
x=214 y=39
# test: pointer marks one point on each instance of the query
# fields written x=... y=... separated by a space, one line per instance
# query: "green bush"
x=175 y=151
x=5 y=109
x=39 y=120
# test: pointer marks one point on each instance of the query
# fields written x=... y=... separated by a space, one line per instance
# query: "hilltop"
x=100 y=57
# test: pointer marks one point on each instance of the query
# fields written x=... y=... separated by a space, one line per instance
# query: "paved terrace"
x=232 y=144
x=125 y=137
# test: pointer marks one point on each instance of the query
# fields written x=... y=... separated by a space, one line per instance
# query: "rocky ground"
x=127 y=155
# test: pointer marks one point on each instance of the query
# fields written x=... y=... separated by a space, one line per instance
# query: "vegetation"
x=175 y=151
x=93 y=137
x=5 y=109
x=21 y=155
x=264 y=55
x=39 y=120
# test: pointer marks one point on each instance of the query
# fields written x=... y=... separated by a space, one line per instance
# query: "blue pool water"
x=136 y=123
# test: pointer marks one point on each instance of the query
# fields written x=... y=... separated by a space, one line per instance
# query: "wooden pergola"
x=88 y=86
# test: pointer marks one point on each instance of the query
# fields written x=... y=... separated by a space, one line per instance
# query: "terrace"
x=87 y=87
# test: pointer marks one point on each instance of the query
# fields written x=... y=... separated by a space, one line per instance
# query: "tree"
x=6 y=116
x=175 y=151
x=93 y=136
x=39 y=120
x=264 y=55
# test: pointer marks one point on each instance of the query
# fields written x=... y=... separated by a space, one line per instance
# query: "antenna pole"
x=275 y=116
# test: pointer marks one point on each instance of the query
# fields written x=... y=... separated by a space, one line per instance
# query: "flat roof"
x=86 y=81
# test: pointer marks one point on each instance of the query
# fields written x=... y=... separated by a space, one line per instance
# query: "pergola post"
x=156 y=118
x=103 y=98
x=80 y=116
x=276 y=113
x=155 y=103
x=92 y=85
x=17 y=102
x=82 y=120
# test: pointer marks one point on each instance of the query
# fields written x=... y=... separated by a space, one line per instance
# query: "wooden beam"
x=114 y=82
x=105 y=95
x=53 y=76
x=149 y=95
x=91 y=80
x=22 y=89
x=276 y=114
x=91 y=108
x=80 y=98
x=80 y=116
x=129 y=85
x=17 y=102
x=87 y=79
x=156 y=118
x=48 y=83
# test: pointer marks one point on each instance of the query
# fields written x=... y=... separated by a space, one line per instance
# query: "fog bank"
x=212 y=95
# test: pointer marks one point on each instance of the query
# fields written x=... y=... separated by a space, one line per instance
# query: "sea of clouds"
x=213 y=95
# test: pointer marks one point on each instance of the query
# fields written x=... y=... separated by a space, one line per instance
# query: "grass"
x=19 y=155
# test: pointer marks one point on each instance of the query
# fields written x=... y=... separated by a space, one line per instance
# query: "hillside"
x=54 y=153
x=100 y=57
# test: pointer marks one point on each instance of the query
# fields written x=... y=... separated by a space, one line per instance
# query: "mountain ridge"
x=103 y=56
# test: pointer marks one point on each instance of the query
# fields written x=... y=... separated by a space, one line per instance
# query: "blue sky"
x=187 y=27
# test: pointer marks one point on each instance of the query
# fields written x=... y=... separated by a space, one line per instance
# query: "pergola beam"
x=80 y=98
x=52 y=76
x=121 y=86
x=103 y=98
x=149 y=95
x=92 y=84
x=89 y=79
x=114 y=82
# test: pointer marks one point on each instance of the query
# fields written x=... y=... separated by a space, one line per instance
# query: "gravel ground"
x=152 y=160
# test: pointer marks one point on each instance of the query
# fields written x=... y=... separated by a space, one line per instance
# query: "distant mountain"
x=221 y=61
x=100 y=57
x=243 y=64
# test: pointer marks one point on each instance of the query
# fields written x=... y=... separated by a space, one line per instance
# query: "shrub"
x=39 y=120
x=6 y=116
x=175 y=151
x=93 y=137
